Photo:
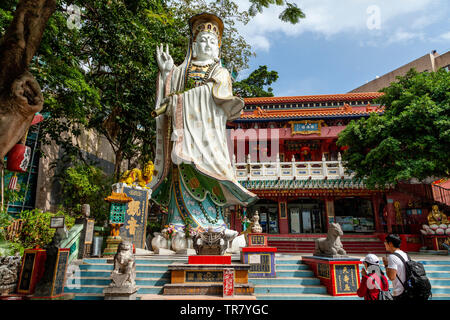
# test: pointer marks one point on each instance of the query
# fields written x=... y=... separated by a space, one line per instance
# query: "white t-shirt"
x=395 y=263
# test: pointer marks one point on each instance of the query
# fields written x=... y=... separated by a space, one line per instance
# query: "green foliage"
x=411 y=139
x=5 y=222
x=254 y=85
x=36 y=229
x=153 y=226
x=291 y=13
x=83 y=183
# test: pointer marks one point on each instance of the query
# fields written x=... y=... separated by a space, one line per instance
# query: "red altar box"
x=339 y=275
x=228 y=282
x=434 y=242
x=33 y=264
x=256 y=240
x=209 y=260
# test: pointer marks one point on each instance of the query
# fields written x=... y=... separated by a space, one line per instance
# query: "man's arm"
x=391 y=273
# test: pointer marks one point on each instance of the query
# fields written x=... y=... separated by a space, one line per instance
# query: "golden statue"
x=437 y=217
x=142 y=178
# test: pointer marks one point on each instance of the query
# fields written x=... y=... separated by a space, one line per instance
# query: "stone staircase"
x=90 y=276
x=294 y=281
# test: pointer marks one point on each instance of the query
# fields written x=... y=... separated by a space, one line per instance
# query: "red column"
x=376 y=206
x=390 y=214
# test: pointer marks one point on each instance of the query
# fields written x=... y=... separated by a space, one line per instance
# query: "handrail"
x=302 y=170
x=73 y=241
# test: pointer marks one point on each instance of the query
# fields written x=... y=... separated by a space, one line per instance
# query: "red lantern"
x=305 y=150
x=344 y=148
x=19 y=158
x=13 y=182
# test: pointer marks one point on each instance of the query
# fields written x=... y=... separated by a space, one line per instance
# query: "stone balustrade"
x=293 y=170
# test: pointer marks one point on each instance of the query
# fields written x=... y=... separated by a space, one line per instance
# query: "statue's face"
x=206 y=46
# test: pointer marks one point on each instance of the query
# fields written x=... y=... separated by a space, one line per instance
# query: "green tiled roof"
x=304 y=184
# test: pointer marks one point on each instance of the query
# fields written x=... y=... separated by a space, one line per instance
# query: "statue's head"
x=335 y=229
x=206 y=33
x=435 y=208
x=125 y=245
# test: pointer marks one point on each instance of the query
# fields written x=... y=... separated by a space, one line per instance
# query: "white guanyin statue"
x=194 y=177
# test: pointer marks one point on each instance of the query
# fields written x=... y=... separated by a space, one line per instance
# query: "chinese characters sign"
x=135 y=222
x=346 y=278
x=228 y=282
x=306 y=127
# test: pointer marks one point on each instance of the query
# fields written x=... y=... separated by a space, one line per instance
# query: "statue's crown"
x=206 y=22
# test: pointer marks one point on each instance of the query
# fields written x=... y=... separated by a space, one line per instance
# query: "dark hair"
x=394 y=239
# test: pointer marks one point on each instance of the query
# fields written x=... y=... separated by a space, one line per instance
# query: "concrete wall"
x=95 y=147
x=429 y=62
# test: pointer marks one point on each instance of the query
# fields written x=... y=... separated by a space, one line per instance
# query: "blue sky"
x=343 y=44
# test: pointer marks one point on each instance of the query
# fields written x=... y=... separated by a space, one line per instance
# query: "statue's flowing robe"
x=194 y=177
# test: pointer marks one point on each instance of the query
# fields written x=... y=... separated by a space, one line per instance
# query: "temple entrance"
x=354 y=214
x=306 y=216
x=268 y=215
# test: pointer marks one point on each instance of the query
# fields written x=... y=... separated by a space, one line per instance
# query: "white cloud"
x=400 y=20
x=404 y=36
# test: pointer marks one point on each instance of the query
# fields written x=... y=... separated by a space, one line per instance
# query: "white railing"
x=289 y=170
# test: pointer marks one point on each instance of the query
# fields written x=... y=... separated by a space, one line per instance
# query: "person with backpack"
x=408 y=277
x=374 y=285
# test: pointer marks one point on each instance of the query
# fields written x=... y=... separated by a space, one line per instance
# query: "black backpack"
x=417 y=286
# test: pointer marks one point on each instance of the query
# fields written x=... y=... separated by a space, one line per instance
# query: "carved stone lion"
x=124 y=273
x=331 y=245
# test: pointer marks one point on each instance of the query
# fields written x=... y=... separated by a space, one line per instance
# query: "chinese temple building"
x=284 y=150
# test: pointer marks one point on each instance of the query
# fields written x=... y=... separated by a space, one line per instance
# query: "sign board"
x=57 y=222
x=254 y=258
x=228 y=282
x=306 y=127
x=346 y=278
x=134 y=226
x=89 y=231
x=295 y=220
x=59 y=275
x=31 y=271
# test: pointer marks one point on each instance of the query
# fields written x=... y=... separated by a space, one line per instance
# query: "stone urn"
x=179 y=241
x=159 y=242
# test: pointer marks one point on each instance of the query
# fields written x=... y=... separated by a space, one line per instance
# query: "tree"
x=20 y=93
x=101 y=74
x=254 y=85
x=411 y=139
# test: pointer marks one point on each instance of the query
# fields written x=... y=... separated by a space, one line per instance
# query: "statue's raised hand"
x=165 y=61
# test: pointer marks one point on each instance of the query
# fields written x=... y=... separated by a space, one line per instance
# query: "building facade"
x=430 y=62
x=284 y=150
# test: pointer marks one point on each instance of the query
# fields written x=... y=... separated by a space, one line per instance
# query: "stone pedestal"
x=259 y=256
x=120 y=293
x=112 y=243
x=339 y=274
x=206 y=279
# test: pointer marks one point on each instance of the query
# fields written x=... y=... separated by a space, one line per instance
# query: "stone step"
x=285 y=280
x=266 y=289
x=303 y=296
x=105 y=281
x=98 y=289
x=107 y=273
x=295 y=273
x=292 y=267
x=110 y=267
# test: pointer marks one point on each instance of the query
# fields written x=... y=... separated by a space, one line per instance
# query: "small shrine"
x=116 y=220
x=331 y=264
x=437 y=231
x=210 y=272
x=257 y=253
